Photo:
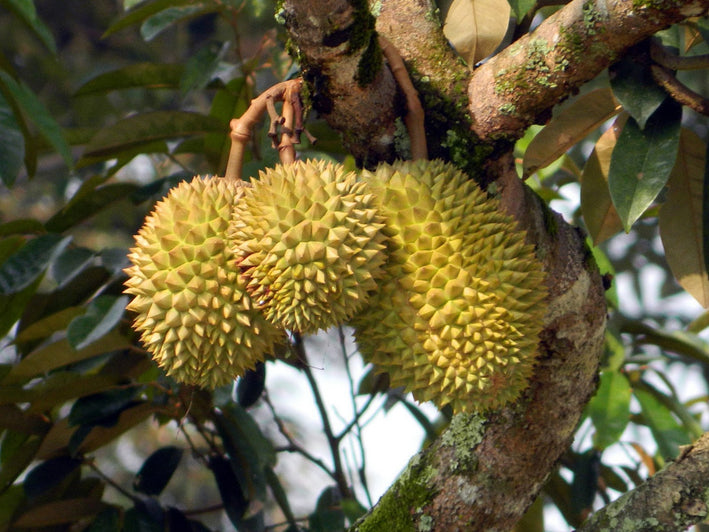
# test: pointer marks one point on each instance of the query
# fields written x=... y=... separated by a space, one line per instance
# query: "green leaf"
x=147 y=75
x=280 y=496
x=88 y=205
x=48 y=475
x=146 y=128
x=202 y=67
x=13 y=306
x=10 y=500
x=642 y=162
x=23 y=267
x=18 y=452
x=60 y=353
x=26 y=11
x=599 y=214
x=12 y=144
x=70 y=263
x=251 y=386
x=38 y=113
x=633 y=85
x=667 y=432
x=228 y=102
x=610 y=409
x=521 y=8
x=161 y=21
x=102 y=408
x=109 y=520
x=157 y=470
x=569 y=127
x=328 y=515
x=681 y=218
x=14 y=418
x=101 y=317
x=22 y=226
x=230 y=489
x=680 y=342
x=475 y=28
x=60 y=512
x=142 y=12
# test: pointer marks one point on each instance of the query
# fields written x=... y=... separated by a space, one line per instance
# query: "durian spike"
x=414 y=118
x=242 y=127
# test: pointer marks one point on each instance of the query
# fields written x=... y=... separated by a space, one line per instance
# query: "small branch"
x=242 y=127
x=672 y=499
x=111 y=482
x=679 y=91
x=414 y=118
x=664 y=57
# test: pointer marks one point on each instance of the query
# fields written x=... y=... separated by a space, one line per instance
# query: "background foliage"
x=102 y=111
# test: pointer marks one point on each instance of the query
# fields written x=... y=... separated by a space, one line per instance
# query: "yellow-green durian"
x=457 y=318
x=193 y=313
x=308 y=238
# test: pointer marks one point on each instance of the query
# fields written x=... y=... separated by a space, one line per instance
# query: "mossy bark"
x=483 y=474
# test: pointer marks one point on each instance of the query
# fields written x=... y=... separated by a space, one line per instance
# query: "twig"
x=414 y=118
x=111 y=482
x=242 y=127
x=664 y=57
x=332 y=441
x=679 y=91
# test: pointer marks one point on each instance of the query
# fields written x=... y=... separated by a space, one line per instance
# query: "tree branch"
x=673 y=499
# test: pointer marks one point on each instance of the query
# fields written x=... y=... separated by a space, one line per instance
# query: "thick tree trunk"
x=483 y=472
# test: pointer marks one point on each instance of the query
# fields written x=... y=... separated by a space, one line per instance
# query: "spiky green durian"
x=309 y=240
x=456 y=319
x=193 y=312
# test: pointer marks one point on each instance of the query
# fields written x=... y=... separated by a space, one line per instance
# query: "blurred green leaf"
x=18 y=452
x=15 y=419
x=144 y=128
x=586 y=470
x=228 y=102
x=666 y=430
x=88 y=205
x=279 y=494
x=232 y=494
x=12 y=144
x=680 y=342
x=60 y=353
x=70 y=263
x=23 y=267
x=635 y=88
x=142 y=12
x=26 y=11
x=101 y=317
x=251 y=385
x=157 y=470
x=161 y=21
x=35 y=110
x=147 y=75
x=49 y=474
x=10 y=500
x=145 y=516
x=610 y=408
x=109 y=520
x=13 y=306
x=202 y=67
x=328 y=515
x=521 y=8
x=21 y=226
x=60 y=512
x=642 y=162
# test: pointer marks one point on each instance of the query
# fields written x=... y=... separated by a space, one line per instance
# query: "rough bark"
x=673 y=499
x=483 y=473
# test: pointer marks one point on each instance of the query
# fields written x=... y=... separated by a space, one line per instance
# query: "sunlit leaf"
x=147 y=75
x=35 y=110
x=610 y=408
x=569 y=127
x=681 y=227
x=475 y=28
x=602 y=220
x=642 y=162
x=157 y=470
x=149 y=127
x=12 y=144
x=666 y=430
x=27 y=264
x=633 y=85
x=102 y=316
x=26 y=11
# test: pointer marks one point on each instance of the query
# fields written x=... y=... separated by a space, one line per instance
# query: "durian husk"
x=456 y=320
x=193 y=312
x=309 y=240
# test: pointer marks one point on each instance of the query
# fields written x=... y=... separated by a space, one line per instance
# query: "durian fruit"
x=309 y=239
x=457 y=318
x=193 y=313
